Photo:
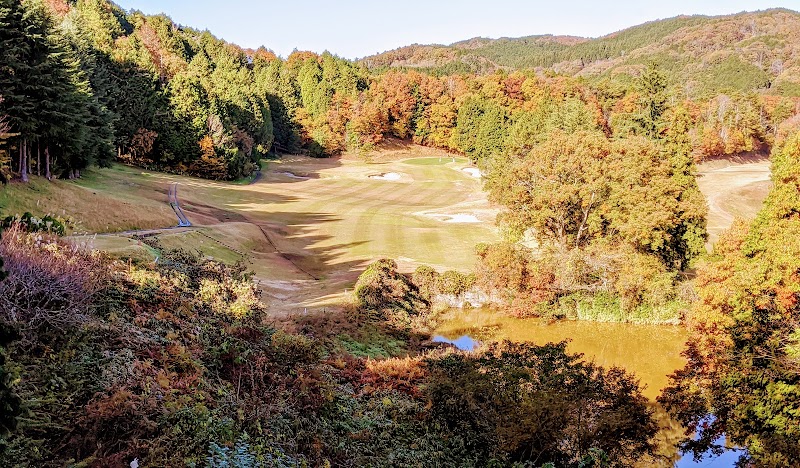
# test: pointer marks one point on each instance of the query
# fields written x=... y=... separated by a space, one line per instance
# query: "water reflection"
x=652 y=352
x=726 y=460
x=464 y=342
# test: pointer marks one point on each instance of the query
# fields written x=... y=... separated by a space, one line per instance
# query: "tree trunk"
x=38 y=159
x=23 y=161
x=29 y=153
x=71 y=174
x=47 y=163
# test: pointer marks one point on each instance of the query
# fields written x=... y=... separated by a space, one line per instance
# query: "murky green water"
x=652 y=352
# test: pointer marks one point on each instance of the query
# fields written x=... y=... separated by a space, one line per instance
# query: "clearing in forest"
x=734 y=188
x=307 y=227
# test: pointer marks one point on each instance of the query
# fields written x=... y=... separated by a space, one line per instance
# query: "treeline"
x=542 y=51
x=86 y=83
x=335 y=106
x=704 y=56
x=743 y=350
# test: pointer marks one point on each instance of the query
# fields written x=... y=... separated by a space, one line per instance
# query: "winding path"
x=183 y=221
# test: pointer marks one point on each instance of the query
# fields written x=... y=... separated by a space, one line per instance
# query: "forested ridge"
x=587 y=147
x=755 y=47
x=87 y=83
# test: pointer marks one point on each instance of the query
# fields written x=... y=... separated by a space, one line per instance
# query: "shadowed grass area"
x=103 y=200
x=435 y=161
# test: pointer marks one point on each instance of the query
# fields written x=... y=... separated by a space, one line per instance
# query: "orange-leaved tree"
x=742 y=380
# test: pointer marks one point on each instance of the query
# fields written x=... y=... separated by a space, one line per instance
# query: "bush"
x=454 y=283
x=425 y=279
x=30 y=223
x=592 y=283
x=9 y=401
x=520 y=404
x=50 y=282
x=381 y=287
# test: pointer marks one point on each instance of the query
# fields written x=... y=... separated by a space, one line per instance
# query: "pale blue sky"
x=357 y=28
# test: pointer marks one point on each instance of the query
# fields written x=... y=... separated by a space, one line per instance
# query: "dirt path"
x=733 y=189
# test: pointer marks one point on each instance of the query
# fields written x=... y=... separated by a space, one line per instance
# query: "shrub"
x=49 y=281
x=425 y=278
x=230 y=296
x=520 y=403
x=596 y=282
x=240 y=456
x=382 y=287
x=31 y=223
x=454 y=283
x=9 y=401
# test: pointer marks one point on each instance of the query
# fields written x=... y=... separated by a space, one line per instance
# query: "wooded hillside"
x=741 y=52
x=87 y=82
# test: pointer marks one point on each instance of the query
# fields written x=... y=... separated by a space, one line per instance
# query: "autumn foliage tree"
x=576 y=189
x=517 y=403
x=742 y=379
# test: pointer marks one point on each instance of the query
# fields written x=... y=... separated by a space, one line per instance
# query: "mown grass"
x=197 y=241
x=120 y=247
x=434 y=161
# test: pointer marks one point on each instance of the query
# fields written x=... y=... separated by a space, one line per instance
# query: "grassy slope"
x=289 y=231
x=733 y=189
x=116 y=199
x=339 y=217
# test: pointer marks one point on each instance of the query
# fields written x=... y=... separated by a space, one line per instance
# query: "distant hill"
x=745 y=51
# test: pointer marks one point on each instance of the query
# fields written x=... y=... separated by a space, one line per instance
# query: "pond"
x=652 y=352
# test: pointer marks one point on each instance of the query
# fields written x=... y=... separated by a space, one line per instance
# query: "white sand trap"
x=473 y=171
x=292 y=175
x=387 y=176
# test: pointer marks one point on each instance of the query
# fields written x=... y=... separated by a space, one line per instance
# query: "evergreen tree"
x=652 y=85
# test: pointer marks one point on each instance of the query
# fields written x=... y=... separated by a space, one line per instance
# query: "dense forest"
x=144 y=90
x=588 y=146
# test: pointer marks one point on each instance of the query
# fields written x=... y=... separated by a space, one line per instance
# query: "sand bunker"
x=387 y=176
x=292 y=175
x=473 y=171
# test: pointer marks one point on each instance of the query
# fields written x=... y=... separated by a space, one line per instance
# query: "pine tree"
x=652 y=85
